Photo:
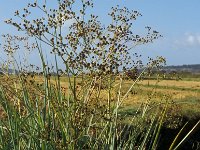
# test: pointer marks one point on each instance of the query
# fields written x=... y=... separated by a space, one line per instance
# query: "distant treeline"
x=195 y=68
x=168 y=72
x=182 y=71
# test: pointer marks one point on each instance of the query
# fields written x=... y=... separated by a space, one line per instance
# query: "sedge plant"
x=77 y=107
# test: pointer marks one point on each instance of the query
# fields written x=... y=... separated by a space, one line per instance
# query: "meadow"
x=185 y=93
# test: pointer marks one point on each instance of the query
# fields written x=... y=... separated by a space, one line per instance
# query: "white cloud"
x=188 y=40
x=191 y=39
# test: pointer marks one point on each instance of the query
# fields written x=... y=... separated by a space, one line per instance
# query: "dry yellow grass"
x=173 y=83
x=185 y=94
x=147 y=90
x=176 y=90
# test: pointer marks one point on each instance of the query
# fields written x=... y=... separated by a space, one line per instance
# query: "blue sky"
x=177 y=20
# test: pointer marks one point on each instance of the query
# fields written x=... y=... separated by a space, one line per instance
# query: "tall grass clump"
x=76 y=107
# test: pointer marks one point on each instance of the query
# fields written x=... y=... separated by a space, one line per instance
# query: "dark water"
x=191 y=143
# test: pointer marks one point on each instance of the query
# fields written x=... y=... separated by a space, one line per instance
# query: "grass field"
x=184 y=93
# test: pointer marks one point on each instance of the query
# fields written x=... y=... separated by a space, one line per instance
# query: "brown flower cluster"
x=87 y=46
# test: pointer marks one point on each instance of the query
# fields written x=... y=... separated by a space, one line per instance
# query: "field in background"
x=185 y=94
